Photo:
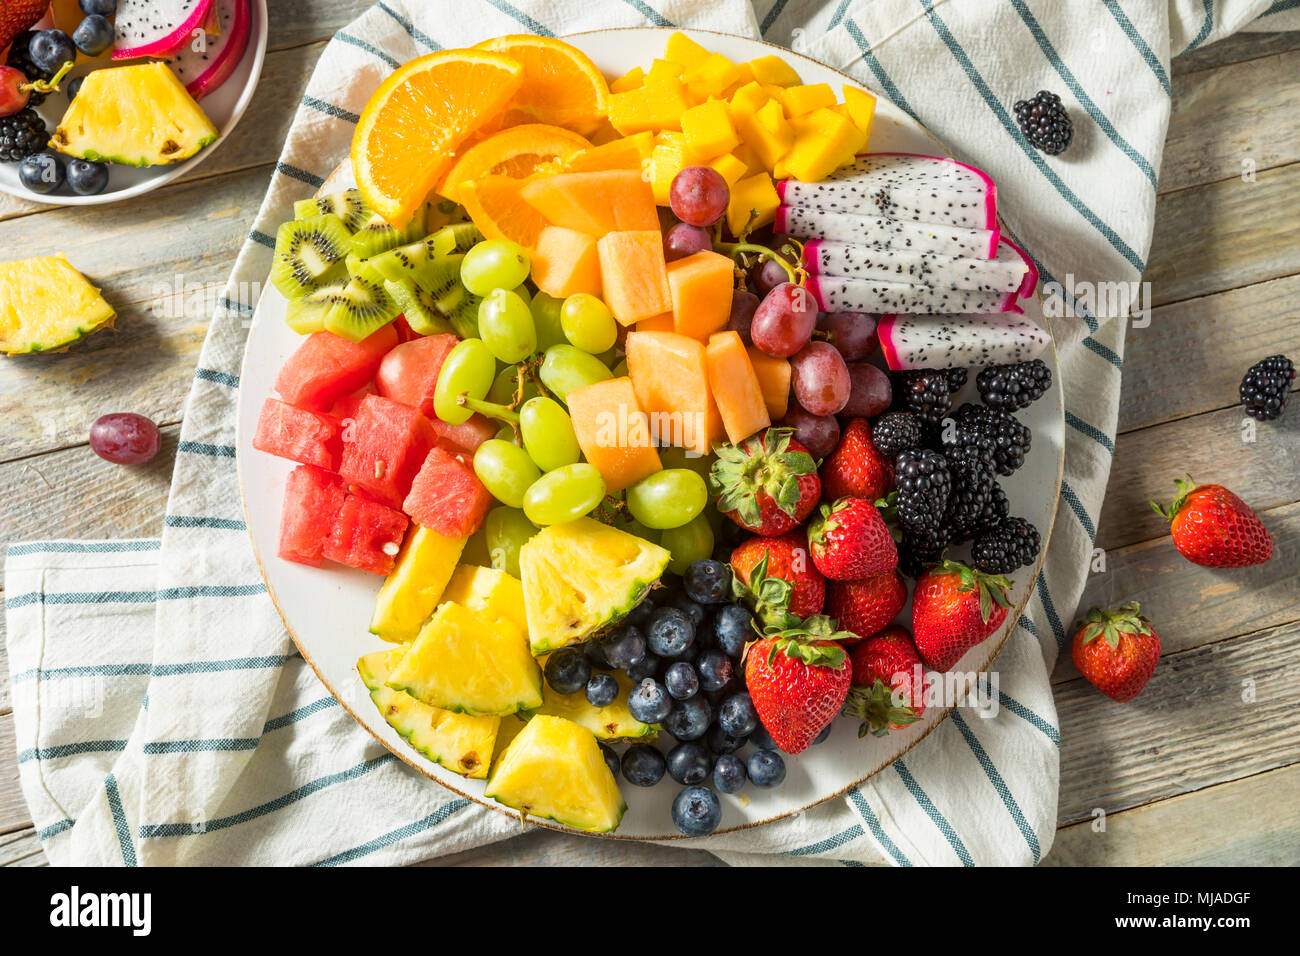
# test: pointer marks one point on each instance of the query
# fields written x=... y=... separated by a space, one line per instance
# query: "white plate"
x=224 y=107
x=327 y=611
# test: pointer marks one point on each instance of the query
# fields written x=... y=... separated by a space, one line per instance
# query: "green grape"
x=691 y=542
x=674 y=457
x=546 y=316
x=505 y=470
x=565 y=368
x=609 y=358
x=668 y=499
x=564 y=494
x=523 y=293
x=507 y=529
x=494 y=264
x=548 y=434
x=468 y=370
x=620 y=370
x=476 y=551
x=506 y=325
x=503 y=389
x=588 y=323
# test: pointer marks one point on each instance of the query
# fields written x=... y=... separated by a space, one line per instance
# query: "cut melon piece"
x=735 y=387
x=459 y=742
x=565 y=262
x=554 y=770
x=465 y=662
x=634 y=275
x=656 y=323
x=492 y=594
x=611 y=722
x=774 y=380
x=424 y=566
x=496 y=206
x=137 y=115
x=613 y=432
x=671 y=377
x=701 y=287
x=581 y=577
x=595 y=203
x=46 y=305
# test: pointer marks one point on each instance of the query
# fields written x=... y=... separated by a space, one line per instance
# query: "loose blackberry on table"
x=1267 y=387
x=1012 y=387
x=1045 y=122
x=1013 y=544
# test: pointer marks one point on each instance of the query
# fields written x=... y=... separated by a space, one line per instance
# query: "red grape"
x=685 y=240
x=784 y=320
x=853 y=333
x=743 y=306
x=699 y=195
x=125 y=438
x=820 y=378
x=767 y=275
x=870 y=392
x=820 y=434
x=13 y=98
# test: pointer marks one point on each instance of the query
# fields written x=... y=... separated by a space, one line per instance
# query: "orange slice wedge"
x=495 y=206
x=412 y=124
x=562 y=86
x=517 y=152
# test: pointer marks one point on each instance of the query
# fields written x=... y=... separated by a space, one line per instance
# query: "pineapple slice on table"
x=611 y=722
x=46 y=305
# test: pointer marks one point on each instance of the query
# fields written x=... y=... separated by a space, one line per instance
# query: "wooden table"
x=1188 y=773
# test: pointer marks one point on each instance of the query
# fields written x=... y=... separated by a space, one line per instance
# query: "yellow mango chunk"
x=802 y=100
x=709 y=130
x=712 y=77
x=753 y=204
x=649 y=108
x=861 y=107
x=825 y=140
x=628 y=81
x=771 y=134
x=749 y=99
x=774 y=70
x=732 y=169
x=670 y=156
x=662 y=71
x=685 y=51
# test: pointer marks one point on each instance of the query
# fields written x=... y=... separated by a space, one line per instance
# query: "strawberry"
x=1213 y=527
x=888 y=690
x=857 y=469
x=779 y=578
x=798 y=679
x=768 y=483
x=1116 y=650
x=851 y=540
x=954 y=608
x=19 y=15
x=867 y=605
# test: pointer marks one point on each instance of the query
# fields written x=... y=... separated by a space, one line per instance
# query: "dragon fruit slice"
x=156 y=27
x=942 y=341
x=203 y=71
x=879 y=234
x=903 y=186
x=837 y=294
x=1005 y=274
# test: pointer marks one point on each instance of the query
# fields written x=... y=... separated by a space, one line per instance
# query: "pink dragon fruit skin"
x=1007 y=272
x=202 y=73
x=945 y=341
x=885 y=235
x=838 y=294
x=156 y=27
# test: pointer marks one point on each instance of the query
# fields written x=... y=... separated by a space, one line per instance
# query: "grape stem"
x=735 y=249
x=48 y=86
x=502 y=413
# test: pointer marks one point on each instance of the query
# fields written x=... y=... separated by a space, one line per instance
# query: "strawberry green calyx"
x=769 y=597
x=1185 y=488
x=805 y=641
x=824 y=525
x=1112 y=623
x=888 y=508
x=992 y=587
x=761 y=463
x=880 y=707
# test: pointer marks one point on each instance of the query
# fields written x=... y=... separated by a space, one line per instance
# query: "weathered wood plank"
x=1243 y=823
x=298 y=22
x=21 y=848
x=14 y=814
x=540 y=847
x=1187 y=730
x=1235 y=49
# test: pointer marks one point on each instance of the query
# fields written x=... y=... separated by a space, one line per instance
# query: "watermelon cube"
x=366 y=536
x=346 y=407
x=409 y=373
x=327 y=367
x=466 y=437
x=306 y=437
x=312 y=501
x=447 y=496
x=383 y=448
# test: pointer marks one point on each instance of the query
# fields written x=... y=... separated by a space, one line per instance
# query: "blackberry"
x=1012 y=544
x=923 y=486
x=896 y=432
x=979 y=423
x=924 y=392
x=21 y=135
x=1267 y=386
x=1045 y=122
x=1012 y=387
x=956 y=379
x=916 y=553
x=970 y=503
x=20 y=59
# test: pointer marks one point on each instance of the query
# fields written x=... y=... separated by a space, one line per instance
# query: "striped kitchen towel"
x=161 y=712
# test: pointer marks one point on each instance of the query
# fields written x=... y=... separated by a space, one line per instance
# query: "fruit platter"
x=640 y=429
x=103 y=100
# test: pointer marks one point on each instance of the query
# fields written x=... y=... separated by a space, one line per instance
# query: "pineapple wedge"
x=489 y=593
x=416 y=584
x=45 y=305
x=611 y=722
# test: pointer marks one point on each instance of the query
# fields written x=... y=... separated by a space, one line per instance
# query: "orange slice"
x=495 y=206
x=412 y=124
x=561 y=84
x=517 y=152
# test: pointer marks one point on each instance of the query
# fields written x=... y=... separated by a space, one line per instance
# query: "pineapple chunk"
x=490 y=593
x=708 y=129
x=415 y=585
x=754 y=202
x=773 y=70
x=554 y=769
x=461 y=743
x=45 y=304
x=611 y=722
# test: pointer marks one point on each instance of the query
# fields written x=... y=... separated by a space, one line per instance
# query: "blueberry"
x=716 y=697
x=87 y=178
x=692 y=610
x=41 y=172
x=93 y=35
x=821 y=738
x=715 y=669
x=697 y=811
x=74 y=87
x=611 y=759
x=649 y=702
x=647 y=666
x=643 y=766
x=624 y=646
x=721 y=742
x=729 y=773
x=640 y=615
x=766 y=768
x=733 y=627
x=738 y=717
x=760 y=738
x=671 y=632
x=602 y=690
x=689 y=719
x=708 y=582
x=50 y=49
x=567 y=671
x=682 y=681
x=105 y=8
x=689 y=763
x=595 y=655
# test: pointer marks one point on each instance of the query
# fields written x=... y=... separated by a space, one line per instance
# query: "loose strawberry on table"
x=1117 y=650
x=1212 y=526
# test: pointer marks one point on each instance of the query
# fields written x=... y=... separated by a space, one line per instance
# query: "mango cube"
x=649 y=108
x=861 y=107
x=770 y=134
x=730 y=168
x=683 y=50
x=774 y=70
x=802 y=100
x=749 y=99
x=628 y=81
x=669 y=157
x=825 y=140
x=744 y=76
x=662 y=71
x=753 y=204
x=712 y=77
x=709 y=130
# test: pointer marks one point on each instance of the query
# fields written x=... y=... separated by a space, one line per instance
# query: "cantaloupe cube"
x=732 y=169
x=773 y=376
x=594 y=202
x=670 y=375
x=565 y=262
x=682 y=49
x=613 y=432
x=861 y=107
x=670 y=156
x=634 y=275
x=708 y=129
x=712 y=77
x=774 y=70
x=802 y=100
x=628 y=81
x=735 y=387
x=753 y=203
x=656 y=323
x=649 y=108
x=701 y=286
x=663 y=71
x=626 y=152
x=825 y=140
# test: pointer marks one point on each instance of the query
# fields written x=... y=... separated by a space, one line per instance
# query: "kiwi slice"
x=418 y=308
x=464 y=236
x=437 y=298
x=347 y=205
x=361 y=308
x=307 y=314
x=377 y=235
x=409 y=263
x=308 y=254
x=353 y=263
